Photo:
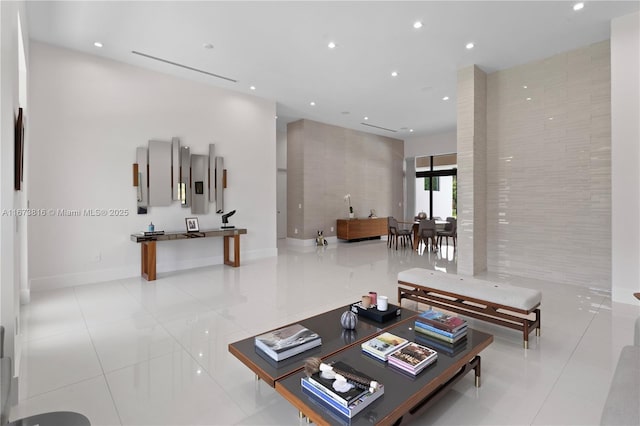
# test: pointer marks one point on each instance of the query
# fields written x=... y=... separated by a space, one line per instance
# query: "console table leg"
x=236 y=250
x=148 y=260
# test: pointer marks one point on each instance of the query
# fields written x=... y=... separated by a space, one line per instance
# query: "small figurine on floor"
x=320 y=241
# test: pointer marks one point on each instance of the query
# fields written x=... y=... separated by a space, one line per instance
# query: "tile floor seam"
x=93 y=345
x=555 y=382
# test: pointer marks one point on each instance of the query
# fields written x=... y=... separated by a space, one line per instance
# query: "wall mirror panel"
x=219 y=185
x=199 y=184
x=142 y=189
x=160 y=173
x=185 y=176
x=212 y=173
x=175 y=169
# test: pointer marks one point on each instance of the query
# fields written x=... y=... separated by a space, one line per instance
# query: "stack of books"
x=413 y=358
x=441 y=326
x=381 y=346
x=444 y=348
x=348 y=403
x=287 y=341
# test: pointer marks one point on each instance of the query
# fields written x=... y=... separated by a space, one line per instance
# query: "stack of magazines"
x=381 y=346
x=413 y=358
x=438 y=325
x=287 y=341
x=349 y=402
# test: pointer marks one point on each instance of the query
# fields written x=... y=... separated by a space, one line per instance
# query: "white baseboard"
x=128 y=271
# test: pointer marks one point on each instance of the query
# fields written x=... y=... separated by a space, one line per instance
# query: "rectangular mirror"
x=159 y=173
x=185 y=176
x=219 y=184
x=142 y=189
x=200 y=184
x=212 y=173
x=175 y=169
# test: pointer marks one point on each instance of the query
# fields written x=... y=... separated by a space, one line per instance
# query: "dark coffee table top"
x=402 y=391
x=334 y=338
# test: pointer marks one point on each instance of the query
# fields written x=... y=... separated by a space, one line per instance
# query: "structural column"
x=472 y=171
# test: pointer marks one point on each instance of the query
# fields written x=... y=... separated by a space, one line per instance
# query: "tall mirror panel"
x=199 y=184
x=175 y=169
x=159 y=173
x=212 y=173
x=219 y=185
x=143 y=194
x=185 y=177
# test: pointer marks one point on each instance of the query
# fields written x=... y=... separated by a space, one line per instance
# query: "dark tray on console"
x=374 y=314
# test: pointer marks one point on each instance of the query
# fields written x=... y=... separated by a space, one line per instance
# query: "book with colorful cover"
x=445 y=333
x=381 y=346
x=413 y=357
x=448 y=322
x=439 y=336
x=343 y=398
x=287 y=341
x=354 y=408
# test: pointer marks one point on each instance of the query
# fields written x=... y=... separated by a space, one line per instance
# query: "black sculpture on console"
x=225 y=220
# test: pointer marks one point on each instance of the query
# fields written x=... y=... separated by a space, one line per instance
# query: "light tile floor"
x=132 y=352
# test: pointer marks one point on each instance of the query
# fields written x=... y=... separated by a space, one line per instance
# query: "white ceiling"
x=281 y=48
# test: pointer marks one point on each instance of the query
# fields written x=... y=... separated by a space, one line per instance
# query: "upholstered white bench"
x=502 y=304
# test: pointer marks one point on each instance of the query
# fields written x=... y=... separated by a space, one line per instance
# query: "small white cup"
x=383 y=303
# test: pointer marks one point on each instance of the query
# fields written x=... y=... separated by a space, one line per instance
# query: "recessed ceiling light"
x=208 y=46
x=97 y=44
x=394 y=74
x=528 y=99
x=312 y=103
x=469 y=46
x=446 y=98
x=276 y=117
x=578 y=6
x=417 y=25
x=252 y=87
x=550 y=118
x=411 y=130
x=331 y=45
x=366 y=118
x=524 y=87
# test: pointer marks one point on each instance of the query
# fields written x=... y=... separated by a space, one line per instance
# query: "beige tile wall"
x=472 y=171
x=329 y=162
x=549 y=168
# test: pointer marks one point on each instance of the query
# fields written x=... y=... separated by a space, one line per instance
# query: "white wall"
x=88 y=115
x=12 y=227
x=625 y=157
x=436 y=144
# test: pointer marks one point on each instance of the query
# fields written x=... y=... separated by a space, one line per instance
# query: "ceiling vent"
x=379 y=127
x=183 y=66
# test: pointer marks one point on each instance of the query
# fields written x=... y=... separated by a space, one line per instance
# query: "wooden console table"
x=360 y=229
x=148 y=246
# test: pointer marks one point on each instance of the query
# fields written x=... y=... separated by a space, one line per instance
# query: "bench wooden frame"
x=507 y=316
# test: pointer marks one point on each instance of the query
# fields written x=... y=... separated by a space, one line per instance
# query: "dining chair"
x=426 y=232
x=450 y=230
x=395 y=232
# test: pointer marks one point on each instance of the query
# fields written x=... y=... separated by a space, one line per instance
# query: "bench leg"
x=477 y=371
x=539 y=322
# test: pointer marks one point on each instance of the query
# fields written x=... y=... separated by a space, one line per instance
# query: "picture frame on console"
x=192 y=224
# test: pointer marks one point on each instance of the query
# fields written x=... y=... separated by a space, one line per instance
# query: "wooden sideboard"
x=361 y=229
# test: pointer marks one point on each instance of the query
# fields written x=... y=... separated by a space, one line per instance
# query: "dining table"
x=440 y=226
